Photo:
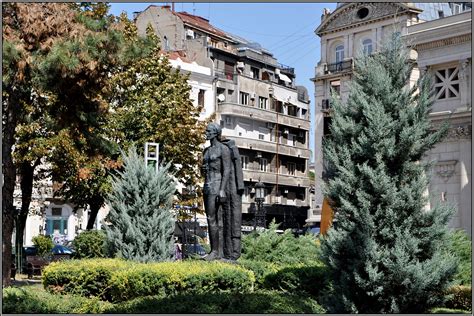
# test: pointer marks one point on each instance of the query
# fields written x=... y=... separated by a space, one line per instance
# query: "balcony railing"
x=339 y=66
x=226 y=75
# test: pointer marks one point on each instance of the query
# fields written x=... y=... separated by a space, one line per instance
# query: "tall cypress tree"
x=140 y=223
x=385 y=252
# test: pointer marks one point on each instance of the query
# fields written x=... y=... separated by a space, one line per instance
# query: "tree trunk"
x=26 y=173
x=9 y=178
x=95 y=204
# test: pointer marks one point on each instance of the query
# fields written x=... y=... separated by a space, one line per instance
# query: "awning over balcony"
x=284 y=78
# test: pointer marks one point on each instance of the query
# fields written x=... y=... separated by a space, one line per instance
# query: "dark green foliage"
x=170 y=278
x=459 y=297
x=311 y=279
x=86 y=277
x=386 y=254
x=44 y=244
x=141 y=222
x=461 y=246
x=270 y=246
x=259 y=268
x=260 y=302
x=34 y=300
x=90 y=244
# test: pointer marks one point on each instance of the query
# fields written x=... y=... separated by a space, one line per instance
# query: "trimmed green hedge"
x=258 y=302
x=260 y=269
x=34 y=300
x=86 y=277
x=119 y=280
x=170 y=278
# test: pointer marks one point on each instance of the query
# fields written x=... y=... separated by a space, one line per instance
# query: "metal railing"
x=339 y=66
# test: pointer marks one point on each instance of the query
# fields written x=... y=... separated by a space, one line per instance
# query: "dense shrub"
x=34 y=300
x=460 y=245
x=459 y=297
x=259 y=268
x=260 y=302
x=311 y=279
x=90 y=244
x=44 y=245
x=86 y=277
x=270 y=246
x=168 y=278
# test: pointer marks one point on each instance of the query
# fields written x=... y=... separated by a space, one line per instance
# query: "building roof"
x=200 y=23
x=430 y=9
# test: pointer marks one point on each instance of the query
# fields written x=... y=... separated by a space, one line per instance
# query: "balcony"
x=270 y=176
x=235 y=109
x=261 y=145
x=286 y=69
x=226 y=76
x=339 y=67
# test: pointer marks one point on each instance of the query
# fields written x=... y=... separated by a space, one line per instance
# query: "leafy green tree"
x=385 y=252
x=285 y=248
x=151 y=103
x=140 y=223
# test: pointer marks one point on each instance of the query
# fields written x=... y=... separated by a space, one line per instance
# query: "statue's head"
x=213 y=130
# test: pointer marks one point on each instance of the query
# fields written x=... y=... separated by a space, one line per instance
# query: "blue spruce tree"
x=386 y=251
x=140 y=223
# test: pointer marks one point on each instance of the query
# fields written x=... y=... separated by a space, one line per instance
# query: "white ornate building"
x=440 y=36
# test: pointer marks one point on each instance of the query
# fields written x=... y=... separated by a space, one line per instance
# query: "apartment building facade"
x=440 y=38
x=258 y=106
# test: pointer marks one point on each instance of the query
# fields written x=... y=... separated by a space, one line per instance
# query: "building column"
x=465 y=78
x=350 y=46
x=324 y=44
x=465 y=187
x=346 y=46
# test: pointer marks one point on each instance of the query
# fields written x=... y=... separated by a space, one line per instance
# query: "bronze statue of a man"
x=223 y=189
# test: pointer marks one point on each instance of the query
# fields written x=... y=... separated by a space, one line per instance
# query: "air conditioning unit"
x=190 y=33
x=252 y=96
x=286 y=131
x=285 y=191
x=240 y=64
x=270 y=91
x=270 y=125
x=259 y=154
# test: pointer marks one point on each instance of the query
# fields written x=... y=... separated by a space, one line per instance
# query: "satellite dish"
x=221 y=97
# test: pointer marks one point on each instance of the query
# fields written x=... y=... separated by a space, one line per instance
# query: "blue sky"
x=285 y=29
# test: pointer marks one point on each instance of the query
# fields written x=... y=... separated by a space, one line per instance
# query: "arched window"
x=367 y=44
x=339 y=53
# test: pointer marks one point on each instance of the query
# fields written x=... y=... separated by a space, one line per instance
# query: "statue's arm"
x=226 y=165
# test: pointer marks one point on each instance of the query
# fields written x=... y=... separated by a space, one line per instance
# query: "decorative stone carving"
x=444 y=42
x=445 y=169
x=460 y=132
x=464 y=64
x=349 y=16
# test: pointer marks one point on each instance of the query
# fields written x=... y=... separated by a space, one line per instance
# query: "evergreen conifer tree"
x=140 y=223
x=385 y=252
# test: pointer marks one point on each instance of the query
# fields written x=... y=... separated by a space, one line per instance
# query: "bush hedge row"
x=120 y=280
x=459 y=297
x=32 y=299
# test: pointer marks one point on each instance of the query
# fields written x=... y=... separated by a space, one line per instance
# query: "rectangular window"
x=262 y=103
x=244 y=98
x=56 y=211
x=261 y=136
x=201 y=97
x=263 y=164
x=245 y=162
x=255 y=72
x=291 y=168
x=336 y=86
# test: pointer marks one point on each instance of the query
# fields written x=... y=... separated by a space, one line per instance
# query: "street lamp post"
x=260 y=216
